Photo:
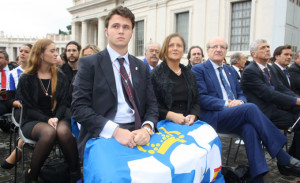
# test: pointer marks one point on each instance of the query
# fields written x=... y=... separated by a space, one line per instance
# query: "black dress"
x=37 y=107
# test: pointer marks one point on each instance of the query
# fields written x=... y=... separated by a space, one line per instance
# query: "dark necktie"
x=287 y=76
x=129 y=93
x=241 y=72
x=226 y=85
x=3 y=81
x=268 y=77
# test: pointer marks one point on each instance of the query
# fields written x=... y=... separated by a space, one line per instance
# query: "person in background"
x=294 y=71
x=43 y=90
x=5 y=106
x=88 y=50
x=175 y=85
x=14 y=76
x=151 y=55
x=195 y=56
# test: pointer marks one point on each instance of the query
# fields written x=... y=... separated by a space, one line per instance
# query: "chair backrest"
x=14 y=121
x=26 y=140
x=228 y=135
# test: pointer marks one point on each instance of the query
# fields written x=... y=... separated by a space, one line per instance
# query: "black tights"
x=46 y=135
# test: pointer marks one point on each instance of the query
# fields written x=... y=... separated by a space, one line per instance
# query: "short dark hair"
x=122 y=11
x=297 y=54
x=279 y=49
x=5 y=54
x=189 y=53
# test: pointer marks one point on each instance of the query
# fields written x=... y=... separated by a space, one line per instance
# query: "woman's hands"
x=180 y=118
x=53 y=122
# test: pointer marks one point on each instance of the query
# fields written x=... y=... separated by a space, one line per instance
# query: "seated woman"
x=11 y=98
x=43 y=90
x=175 y=85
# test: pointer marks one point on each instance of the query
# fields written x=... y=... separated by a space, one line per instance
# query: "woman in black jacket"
x=175 y=85
x=43 y=91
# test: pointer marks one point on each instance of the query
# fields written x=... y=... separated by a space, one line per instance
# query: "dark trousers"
x=253 y=126
x=283 y=120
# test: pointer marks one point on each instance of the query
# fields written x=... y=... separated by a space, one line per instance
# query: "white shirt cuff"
x=108 y=129
x=150 y=123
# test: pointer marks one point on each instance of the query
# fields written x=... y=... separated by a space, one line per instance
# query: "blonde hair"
x=91 y=46
x=34 y=64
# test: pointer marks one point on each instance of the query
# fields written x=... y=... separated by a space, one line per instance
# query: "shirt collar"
x=216 y=66
x=261 y=66
x=114 y=55
x=236 y=68
x=280 y=66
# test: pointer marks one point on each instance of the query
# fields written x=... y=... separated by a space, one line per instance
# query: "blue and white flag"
x=176 y=153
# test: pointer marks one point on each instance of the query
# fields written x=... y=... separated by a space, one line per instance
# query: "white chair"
x=231 y=136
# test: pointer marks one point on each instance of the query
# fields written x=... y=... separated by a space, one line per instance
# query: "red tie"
x=3 y=81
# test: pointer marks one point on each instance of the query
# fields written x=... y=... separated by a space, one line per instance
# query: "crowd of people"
x=113 y=94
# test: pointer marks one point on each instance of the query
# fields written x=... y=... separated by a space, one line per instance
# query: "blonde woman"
x=43 y=91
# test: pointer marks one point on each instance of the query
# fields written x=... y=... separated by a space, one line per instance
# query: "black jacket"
x=294 y=72
x=28 y=94
x=163 y=87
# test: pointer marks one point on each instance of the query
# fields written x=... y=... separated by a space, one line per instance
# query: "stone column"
x=101 y=33
x=84 y=33
x=73 y=35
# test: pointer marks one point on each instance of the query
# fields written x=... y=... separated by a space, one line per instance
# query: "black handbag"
x=55 y=171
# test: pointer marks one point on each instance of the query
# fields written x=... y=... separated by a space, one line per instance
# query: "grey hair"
x=236 y=56
x=147 y=45
x=208 y=43
x=253 y=45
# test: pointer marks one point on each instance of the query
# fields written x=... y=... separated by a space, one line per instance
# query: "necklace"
x=44 y=88
x=178 y=71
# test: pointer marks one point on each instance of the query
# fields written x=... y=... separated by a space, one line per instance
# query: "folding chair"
x=231 y=136
x=13 y=130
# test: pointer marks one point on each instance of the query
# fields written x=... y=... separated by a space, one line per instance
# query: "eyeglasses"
x=218 y=46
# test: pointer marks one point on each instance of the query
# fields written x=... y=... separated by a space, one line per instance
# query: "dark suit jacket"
x=94 y=99
x=211 y=97
x=281 y=76
x=255 y=87
x=294 y=71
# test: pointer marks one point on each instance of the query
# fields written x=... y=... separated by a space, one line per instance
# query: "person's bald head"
x=217 y=49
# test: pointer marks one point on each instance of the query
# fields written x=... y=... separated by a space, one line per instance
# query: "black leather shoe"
x=7 y=165
x=293 y=168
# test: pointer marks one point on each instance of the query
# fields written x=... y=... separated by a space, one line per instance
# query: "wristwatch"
x=149 y=130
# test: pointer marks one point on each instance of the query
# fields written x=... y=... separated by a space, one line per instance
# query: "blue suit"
x=147 y=64
x=246 y=120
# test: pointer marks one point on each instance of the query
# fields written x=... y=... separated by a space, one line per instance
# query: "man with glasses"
x=151 y=55
x=224 y=106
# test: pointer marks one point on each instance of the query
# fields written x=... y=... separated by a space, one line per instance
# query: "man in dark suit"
x=283 y=56
x=294 y=71
x=262 y=86
x=224 y=106
x=238 y=61
x=113 y=95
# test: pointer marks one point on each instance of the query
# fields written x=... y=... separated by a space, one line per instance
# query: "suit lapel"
x=212 y=74
x=107 y=70
x=135 y=70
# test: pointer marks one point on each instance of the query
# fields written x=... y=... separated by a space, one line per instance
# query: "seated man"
x=224 y=107
x=264 y=87
x=294 y=71
x=113 y=96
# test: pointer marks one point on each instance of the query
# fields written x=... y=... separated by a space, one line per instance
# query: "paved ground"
x=272 y=177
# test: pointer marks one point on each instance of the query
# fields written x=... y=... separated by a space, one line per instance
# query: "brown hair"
x=164 y=49
x=122 y=11
x=34 y=64
x=279 y=49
